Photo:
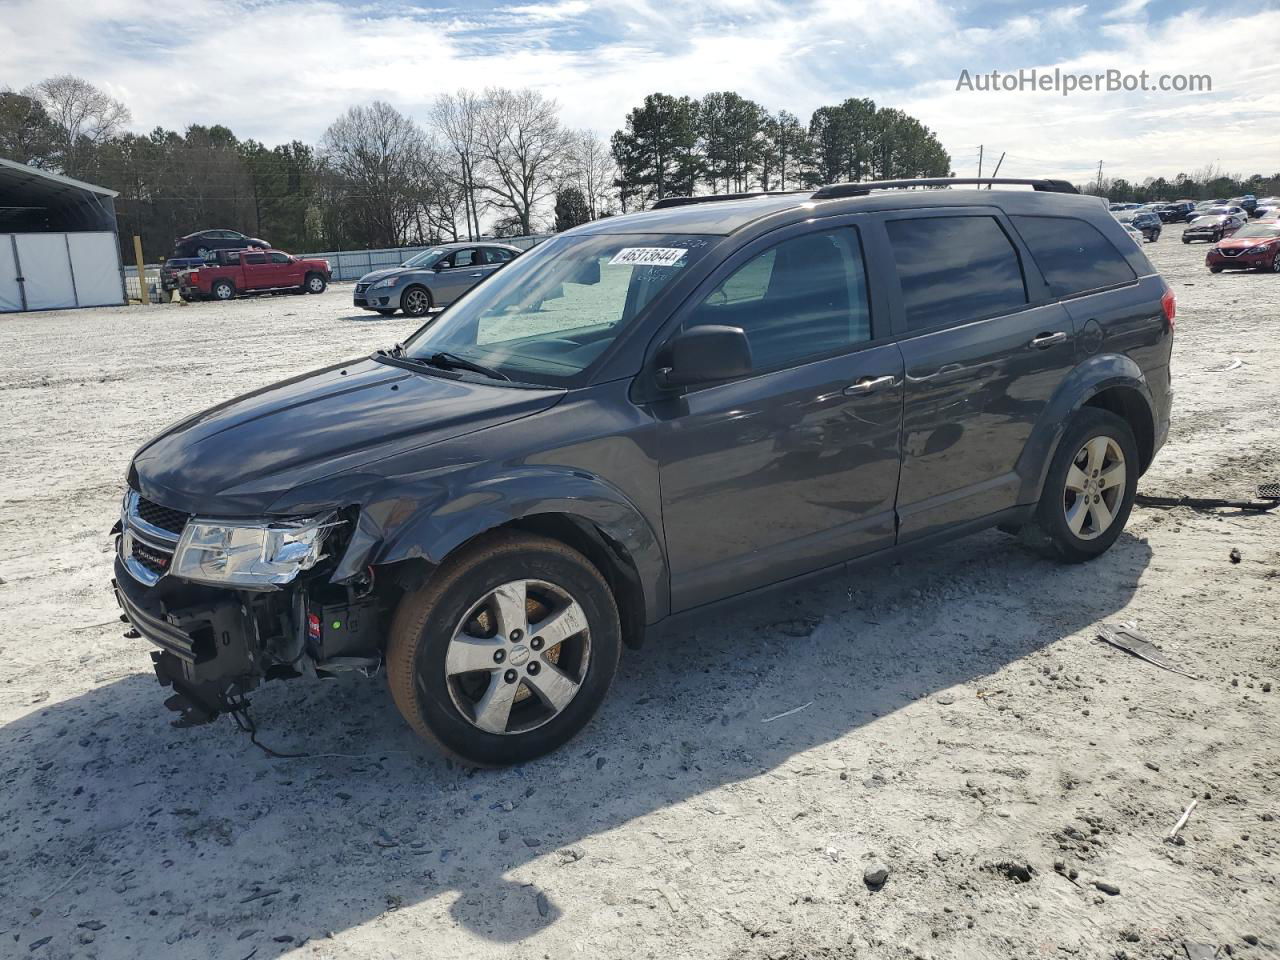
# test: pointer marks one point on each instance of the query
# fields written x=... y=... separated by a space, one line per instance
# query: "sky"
x=277 y=70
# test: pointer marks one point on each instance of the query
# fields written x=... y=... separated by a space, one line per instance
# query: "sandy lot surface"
x=963 y=727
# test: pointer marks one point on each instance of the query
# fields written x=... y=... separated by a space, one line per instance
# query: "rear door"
x=793 y=468
x=983 y=356
x=257 y=270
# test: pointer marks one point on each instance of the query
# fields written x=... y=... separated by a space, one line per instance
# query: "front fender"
x=1086 y=381
x=438 y=524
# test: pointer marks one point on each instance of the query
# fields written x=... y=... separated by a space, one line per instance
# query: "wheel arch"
x=1111 y=382
x=581 y=511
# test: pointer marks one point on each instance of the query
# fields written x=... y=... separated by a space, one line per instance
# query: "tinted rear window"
x=1073 y=255
x=955 y=269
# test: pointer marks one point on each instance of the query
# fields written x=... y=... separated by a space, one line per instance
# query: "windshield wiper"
x=451 y=361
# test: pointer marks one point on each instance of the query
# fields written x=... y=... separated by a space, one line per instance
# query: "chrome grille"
x=150 y=534
x=361 y=287
x=1230 y=251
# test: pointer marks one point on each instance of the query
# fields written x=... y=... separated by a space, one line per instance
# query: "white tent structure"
x=58 y=244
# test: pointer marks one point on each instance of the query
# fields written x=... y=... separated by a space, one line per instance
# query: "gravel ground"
x=961 y=726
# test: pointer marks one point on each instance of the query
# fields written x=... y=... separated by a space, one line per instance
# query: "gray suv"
x=432 y=278
x=640 y=417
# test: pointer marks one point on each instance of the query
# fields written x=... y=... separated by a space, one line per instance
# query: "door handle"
x=867 y=385
x=477 y=275
x=1046 y=340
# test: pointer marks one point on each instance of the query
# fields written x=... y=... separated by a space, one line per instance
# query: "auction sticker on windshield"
x=649 y=256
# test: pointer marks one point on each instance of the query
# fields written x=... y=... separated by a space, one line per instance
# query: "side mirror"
x=706 y=354
x=588 y=273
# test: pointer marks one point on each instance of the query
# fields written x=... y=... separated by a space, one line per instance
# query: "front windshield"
x=1257 y=230
x=553 y=311
x=424 y=258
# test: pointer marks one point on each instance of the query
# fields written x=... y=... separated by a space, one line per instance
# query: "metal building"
x=58 y=244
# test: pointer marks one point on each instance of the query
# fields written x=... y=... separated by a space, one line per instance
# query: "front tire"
x=506 y=651
x=315 y=283
x=1089 y=490
x=416 y=302
x=385 y=312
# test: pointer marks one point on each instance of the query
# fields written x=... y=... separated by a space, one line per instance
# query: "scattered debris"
x=787 y=713
x=1129 y=640
x=875 y=875
x=1110 y=889
x=261 y=895
x=1199 y=951
x=1234 y=555
x=1182 y=820
x=544 y=905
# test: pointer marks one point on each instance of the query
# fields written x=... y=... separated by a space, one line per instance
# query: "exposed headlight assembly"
x=255 y=555
x=387 y=282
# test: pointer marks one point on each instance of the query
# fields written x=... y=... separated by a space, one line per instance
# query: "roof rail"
x=666 y=202
x=833 y=190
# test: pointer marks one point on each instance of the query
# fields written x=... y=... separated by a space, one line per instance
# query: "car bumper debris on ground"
x=973 y=772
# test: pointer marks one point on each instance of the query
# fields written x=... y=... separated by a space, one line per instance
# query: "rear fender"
x=1090 y=378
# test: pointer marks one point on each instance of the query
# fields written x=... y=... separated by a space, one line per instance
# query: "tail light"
x=1169 y=304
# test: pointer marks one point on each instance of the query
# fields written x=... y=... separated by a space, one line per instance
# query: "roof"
x=715 y=217
x=15 y=175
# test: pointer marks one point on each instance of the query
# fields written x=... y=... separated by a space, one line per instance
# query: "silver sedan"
x=433 y=278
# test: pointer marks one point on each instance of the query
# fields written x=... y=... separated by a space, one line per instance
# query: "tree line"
x=1210 y=182
x=496 y=162
x=725 y=143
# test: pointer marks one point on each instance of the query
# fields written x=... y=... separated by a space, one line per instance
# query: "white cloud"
x=284 y=69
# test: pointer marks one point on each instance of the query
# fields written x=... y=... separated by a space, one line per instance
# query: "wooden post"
x=142 y=270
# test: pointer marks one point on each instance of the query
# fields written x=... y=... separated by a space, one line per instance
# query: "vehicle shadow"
x=176 y=842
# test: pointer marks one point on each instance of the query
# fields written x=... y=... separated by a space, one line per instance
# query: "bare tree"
x=384 y=159
x=457 y=118
x=592 y=169
x=85 y=116
x=525 y=147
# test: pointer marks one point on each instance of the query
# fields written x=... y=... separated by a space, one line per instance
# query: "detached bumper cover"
x=207 y=639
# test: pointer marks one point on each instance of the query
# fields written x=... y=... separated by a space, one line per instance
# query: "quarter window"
x=800 y=300
x=1073 y=255
x=955 y=269
x=255 y=258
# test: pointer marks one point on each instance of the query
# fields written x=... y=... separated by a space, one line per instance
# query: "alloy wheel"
x=1275 y=263
x=518 y=657
x=1095 y=488
x=416 y=303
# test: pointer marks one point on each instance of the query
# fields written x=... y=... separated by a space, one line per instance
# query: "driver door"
x=457 y=274
x=795 y=467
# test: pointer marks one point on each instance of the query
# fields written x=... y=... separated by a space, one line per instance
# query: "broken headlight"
x=250 y=554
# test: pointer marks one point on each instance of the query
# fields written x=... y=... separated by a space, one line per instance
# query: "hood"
x=238 y=458
x=376 y=275
x=1207 y=220
x=1246 y=242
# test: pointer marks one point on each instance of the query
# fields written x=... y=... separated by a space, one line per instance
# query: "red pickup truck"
x=234 y=272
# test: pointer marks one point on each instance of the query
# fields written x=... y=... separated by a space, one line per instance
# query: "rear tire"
x=468 y=667
x=1088 y=491
x=223 y=290
x=1215 y=269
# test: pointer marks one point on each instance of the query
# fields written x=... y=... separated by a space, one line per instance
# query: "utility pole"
x=1099 y=178
x=979 y=161
x=996 y=171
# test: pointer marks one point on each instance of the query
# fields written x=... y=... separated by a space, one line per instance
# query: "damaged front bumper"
x=216 y=645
